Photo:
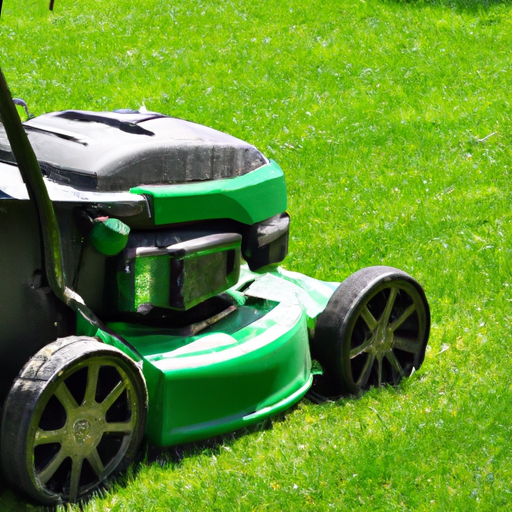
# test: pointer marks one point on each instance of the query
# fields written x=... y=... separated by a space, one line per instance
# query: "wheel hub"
x=383 y=341
x=82 y=430
x=85 y=431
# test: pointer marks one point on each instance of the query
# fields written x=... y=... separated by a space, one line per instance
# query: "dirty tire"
x=374 y=330
x=74 y=417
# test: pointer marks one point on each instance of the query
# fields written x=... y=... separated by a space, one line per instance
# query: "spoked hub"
x=381 y=348
x=374 y=330
x=79 y=440
x=87 y=422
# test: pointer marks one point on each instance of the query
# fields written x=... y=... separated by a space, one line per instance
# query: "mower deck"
x=251 y=364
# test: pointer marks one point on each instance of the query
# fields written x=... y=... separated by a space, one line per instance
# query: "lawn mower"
x=141 y=296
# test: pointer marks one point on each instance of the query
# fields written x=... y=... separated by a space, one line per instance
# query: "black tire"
x=374 y=330
x=74 y=417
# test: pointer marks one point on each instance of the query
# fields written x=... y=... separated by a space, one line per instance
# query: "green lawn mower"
x=140 y=296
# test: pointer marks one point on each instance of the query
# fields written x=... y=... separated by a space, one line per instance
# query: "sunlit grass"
x=392 y=121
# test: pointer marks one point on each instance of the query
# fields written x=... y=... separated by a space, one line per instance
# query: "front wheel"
x=374 y=330
x=74 y=417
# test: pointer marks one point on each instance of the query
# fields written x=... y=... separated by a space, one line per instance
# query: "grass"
x=392 y=121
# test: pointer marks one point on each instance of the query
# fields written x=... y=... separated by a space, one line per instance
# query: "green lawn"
x=392 y=121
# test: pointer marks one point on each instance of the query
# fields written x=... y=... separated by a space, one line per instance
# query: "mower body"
x=190 y=287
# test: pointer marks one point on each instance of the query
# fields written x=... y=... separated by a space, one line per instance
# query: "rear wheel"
x=374 y=330
x=74 y=417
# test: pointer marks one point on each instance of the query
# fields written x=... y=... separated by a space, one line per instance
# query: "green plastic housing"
x=181 y=275
x=250 y=198
x=252 y=364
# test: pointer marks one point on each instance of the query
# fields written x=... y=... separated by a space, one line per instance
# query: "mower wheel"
x=74 y=417
x=374 y=330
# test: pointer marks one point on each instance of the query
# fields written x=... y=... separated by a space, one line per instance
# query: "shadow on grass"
x=174 y=455
x=13 y=501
